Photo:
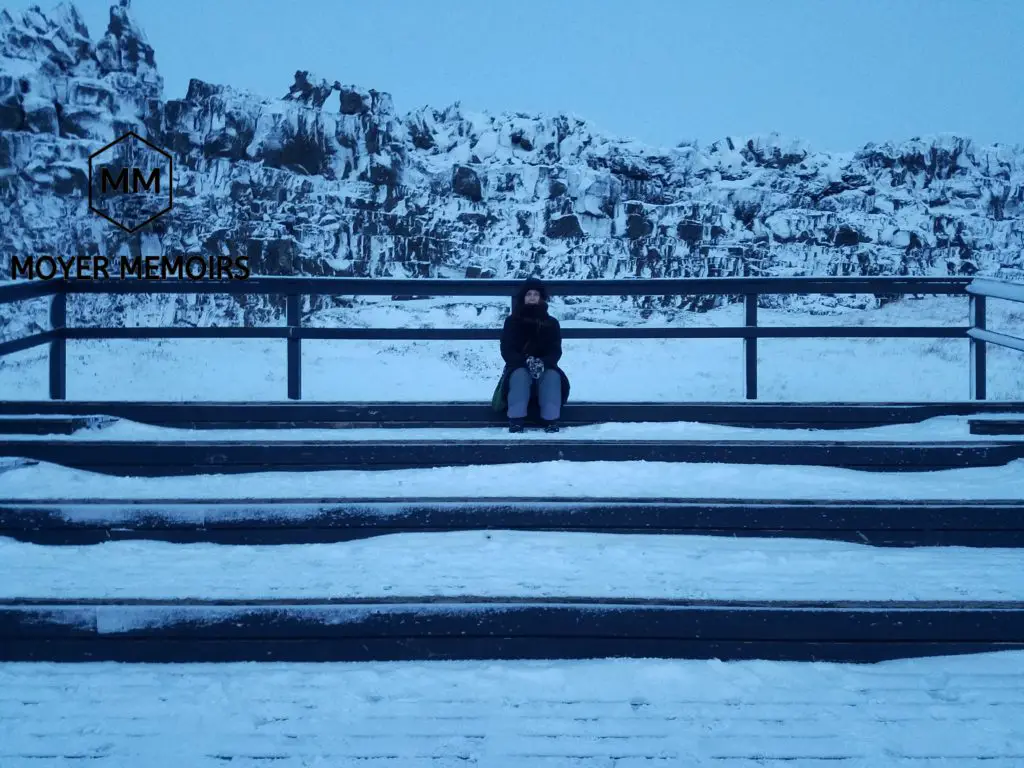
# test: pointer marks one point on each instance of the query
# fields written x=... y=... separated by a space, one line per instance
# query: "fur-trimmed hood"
x=531 y=284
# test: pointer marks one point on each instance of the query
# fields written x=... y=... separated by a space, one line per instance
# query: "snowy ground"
x=956 y=712
x=518 y=564
x=600 y=370
x=961 y=711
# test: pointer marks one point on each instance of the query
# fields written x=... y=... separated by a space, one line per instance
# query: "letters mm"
x=122 y=180
x=120 y=183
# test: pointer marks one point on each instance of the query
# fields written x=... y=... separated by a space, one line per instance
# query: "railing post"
x=978 y=351
x=750 y=346
x=294 y=320
x=58 y=345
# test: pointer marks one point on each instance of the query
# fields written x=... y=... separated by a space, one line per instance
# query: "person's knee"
x=518 y=393
x=550 y=395
x=550 y=380
x=519 y=383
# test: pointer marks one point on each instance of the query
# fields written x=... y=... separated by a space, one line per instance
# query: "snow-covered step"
x=321 y=414
x=528 y=564
x=52 y=424
x=962 y=711
x=541 y=480
x=294 y=521
x=189 y=457
x=405 y=629
x=940 y=428
x=11 y=463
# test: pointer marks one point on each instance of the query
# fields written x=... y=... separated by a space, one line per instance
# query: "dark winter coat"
x=529 y=331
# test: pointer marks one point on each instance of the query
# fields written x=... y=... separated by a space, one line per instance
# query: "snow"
x=515 y=563
x=120 y=619
x=554 y=479
x=512 y=714
x=598 y=713
x=18 y=67
x=942 y=428
x=486 y=145
x=955 y=712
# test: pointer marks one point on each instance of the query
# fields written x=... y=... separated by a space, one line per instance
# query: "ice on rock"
x=330 y=178
x=486 y=145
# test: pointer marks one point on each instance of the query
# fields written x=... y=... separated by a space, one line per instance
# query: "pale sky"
x=838 y=73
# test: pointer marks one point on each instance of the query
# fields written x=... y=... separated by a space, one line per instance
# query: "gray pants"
x=549 y=393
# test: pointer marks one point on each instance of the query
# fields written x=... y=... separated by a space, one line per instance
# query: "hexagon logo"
x=131 y=182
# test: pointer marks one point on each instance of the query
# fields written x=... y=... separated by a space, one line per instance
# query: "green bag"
x=498 y=400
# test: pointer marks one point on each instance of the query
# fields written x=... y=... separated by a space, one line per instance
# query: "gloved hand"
x=535 y=366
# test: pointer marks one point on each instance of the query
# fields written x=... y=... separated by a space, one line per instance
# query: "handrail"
x=999 y=339
x=979 y=291
x=493 y=334
x=23 y=290
x=26 y=291
x=55 y=336
x=294 y=288
x=995 y=289
x=688 y=286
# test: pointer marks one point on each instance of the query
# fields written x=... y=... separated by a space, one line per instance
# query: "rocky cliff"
x=330 y=179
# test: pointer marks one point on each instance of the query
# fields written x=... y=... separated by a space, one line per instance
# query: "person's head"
x=533 y=294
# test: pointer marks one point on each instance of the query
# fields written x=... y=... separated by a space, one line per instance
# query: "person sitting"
x=531 y=346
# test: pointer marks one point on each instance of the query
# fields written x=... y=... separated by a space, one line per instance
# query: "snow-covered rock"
x=330 y=179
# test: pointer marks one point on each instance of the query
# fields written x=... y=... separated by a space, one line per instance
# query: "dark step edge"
x=523 y=618
x=434 y=649
x=996 y=426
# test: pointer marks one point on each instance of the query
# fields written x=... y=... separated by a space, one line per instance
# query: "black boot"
x=516 y=425
x=550 y=426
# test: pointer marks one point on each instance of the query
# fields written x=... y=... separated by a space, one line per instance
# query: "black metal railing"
x=295 y=288
x=979 y=291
